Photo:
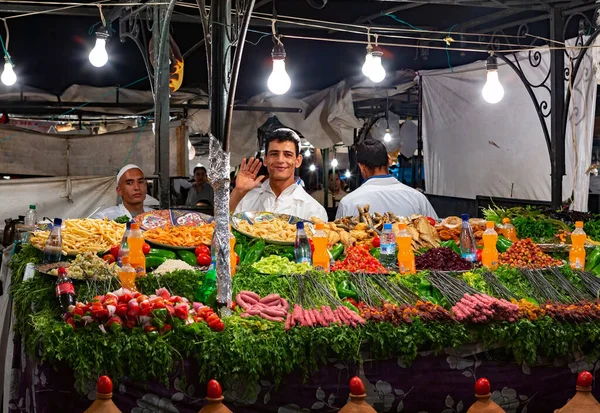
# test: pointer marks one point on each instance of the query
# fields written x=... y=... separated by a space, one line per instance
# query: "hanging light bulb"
x=366 y=68
x=492 y=92
x=312 y=167
x=8 y=77
x=388 y=136
x=334 y=163
x=279 y=82
x=98 y=56
x=307 y=153
x=377 y=72
x=348 y=174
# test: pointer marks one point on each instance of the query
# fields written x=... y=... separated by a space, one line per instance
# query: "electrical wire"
x=448 y=40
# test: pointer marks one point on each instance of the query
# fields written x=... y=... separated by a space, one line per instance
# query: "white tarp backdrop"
x=475 y=148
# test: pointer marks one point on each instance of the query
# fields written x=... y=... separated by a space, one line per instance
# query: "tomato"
x=203 y=260
x=114 y=251
x=104 y=385
x=479 y=255
x=214 y=390
x=432 y=221
x=218 y=327
x=376 y=242
x=312 y=246
x=202 y=249
x=146 y=249
x=237 y=259
x=109 y=258
x=357 y=387
x=585 y=379
x=482 y=387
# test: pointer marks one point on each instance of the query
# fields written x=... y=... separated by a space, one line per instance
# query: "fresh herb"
x=124 y=219
x=184 y=283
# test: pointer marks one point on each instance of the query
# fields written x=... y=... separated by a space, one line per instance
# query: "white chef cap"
x=125 y=169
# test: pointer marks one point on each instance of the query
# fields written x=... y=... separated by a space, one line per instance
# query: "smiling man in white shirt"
x=281 y=193
x=382 y=191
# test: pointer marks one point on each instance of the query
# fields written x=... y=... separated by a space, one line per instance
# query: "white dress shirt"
x=292 y=201
x=384 y=193
x=115 y=212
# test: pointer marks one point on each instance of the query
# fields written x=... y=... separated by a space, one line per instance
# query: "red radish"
x=482 y=387
x=357 y=386
x=214 y=390
x=585 y=379
x=104 y=385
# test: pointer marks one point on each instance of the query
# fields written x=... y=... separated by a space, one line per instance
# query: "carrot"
x=309 y=318
x=320 y=318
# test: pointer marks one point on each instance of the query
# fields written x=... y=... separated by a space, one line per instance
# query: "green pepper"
x=170 y=255
x=375 y=252
x=255 y=253
x=160 y=313
x=450 y=244
x=345 y=289
x=351 y=307
x=153 y=261
x=336 y=250
x=188 y=257
x=593 y=259
x=239 y=250
x=503 y=244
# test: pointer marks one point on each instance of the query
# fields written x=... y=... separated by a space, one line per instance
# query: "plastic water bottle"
x=468 y=248
x=31 y=217
x=302 y=245
x=53 y=248
x=124 y=247
x=387 y=247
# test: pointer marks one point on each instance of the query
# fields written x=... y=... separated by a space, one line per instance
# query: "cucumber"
x=153 y=261
x=163 y=253
x=187 y=256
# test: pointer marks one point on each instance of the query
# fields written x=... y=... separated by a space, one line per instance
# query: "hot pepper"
x=450 y=244
x=255 y=253
x=345 y=290
x=351 y=307
x=336 y=250
x=503 y=244
x=593 y=259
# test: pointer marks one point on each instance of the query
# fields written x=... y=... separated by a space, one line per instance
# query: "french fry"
x=184 y=236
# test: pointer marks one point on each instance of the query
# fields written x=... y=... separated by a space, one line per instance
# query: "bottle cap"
x=135 y=226
x=62 y=271
x=300 y=225
x=320 y=226
x=402 y=226
x=465 y=217
x=31 y=206
x=489 y=224
x=387 y=227
x=57 y=222
x=579 y=224
x=506 y=221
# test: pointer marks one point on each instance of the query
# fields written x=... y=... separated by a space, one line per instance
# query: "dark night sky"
x=51 y=52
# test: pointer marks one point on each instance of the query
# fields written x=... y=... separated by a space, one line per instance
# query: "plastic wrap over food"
x=218 y=176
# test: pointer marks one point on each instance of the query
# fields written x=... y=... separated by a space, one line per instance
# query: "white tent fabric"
x=73 y=197
x=474 y=148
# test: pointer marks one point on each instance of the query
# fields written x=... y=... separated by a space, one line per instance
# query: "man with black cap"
x=382 y=191
x=132 y=188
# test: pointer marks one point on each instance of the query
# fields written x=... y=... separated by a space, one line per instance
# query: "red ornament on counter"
x=583 y=401
x=103 y=403
x=484 y=403
x=357 y=403
x=214 y=396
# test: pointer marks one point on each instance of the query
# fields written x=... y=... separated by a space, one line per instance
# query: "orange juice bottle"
x=320 y=257
x=127 y=274
x=137 y=259
x=510 y=232
x=489 y=256
x=577 y=252
x=406 y=256
x=232 y=256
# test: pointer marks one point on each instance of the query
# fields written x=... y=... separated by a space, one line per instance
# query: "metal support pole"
x=557 y=87
x=221 y=67
x=160 y=31
x=325 y=178
x=355 y=177
x=420 y=136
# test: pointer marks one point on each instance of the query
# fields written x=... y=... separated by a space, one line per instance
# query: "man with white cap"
x=132 y=188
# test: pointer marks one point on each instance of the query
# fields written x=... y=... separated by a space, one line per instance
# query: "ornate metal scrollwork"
x=132 y=26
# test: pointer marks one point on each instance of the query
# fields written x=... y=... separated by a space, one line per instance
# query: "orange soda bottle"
x=489 y=255
x=137 y=259
x=510 y=232
x=406 y=256
x=577 y=252
x=127 y=274
x=321 y=259
x=232 y=255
